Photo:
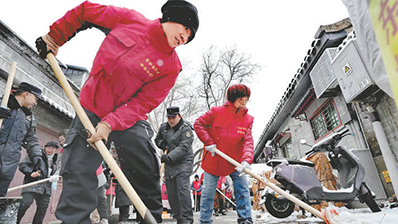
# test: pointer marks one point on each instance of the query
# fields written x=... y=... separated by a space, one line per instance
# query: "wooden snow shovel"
x=7 y=90
x=131 y=193
x=28 y=184
x=274 y=187
x=225 y=196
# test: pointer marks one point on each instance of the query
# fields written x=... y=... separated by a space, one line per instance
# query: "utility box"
x=351 y=72
x=322 y=74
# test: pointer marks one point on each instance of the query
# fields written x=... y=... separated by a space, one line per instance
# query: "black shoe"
x=223 y=212
x=246 y=221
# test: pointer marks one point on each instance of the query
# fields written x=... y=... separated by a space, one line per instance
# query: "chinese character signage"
x=384 y=15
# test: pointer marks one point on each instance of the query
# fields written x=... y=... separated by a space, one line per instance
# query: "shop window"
x=325 y=120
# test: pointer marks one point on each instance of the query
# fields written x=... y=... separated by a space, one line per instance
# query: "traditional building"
x=332 y=90
x=54 y=113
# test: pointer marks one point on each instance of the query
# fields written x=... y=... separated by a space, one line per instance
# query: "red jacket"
x=134 y=68
x=231 y=130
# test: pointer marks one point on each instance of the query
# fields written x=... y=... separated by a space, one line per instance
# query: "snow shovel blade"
x=9 y=209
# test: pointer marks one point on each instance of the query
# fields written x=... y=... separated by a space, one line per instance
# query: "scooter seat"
x=275 y=162
x=301 y=162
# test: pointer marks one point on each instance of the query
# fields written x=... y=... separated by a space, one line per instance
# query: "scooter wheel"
x=279 y=208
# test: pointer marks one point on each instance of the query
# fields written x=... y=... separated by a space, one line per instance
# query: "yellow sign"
x=384 y=15
x=347 y=69
x=386 y=176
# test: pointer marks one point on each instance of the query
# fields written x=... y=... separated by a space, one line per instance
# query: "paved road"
x=231 y=217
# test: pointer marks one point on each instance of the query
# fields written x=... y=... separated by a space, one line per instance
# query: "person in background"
x=196 y=188
x=176 y=136
x=227 y=128
x=101 y=213
x=41 y=192
x=62 y=139
x=110 y=189
x=165 y=198
x=132 y=73
x=19 y=129
x=219 y=200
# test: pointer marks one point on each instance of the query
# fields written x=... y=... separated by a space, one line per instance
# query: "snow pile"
x=350 y=216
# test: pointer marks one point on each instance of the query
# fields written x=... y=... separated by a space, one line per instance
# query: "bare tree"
x=220 y=69
x=183 y=95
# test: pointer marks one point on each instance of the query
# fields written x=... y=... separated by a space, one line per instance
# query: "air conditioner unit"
x=350 y=71
x=322 y=75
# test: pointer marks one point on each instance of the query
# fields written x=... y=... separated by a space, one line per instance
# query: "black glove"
x=41 y=47
x=39 y=164
x=165 y=159
x=164 y=145
x=5 y=113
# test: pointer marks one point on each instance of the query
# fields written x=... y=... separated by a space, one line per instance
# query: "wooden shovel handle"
x=7 y=90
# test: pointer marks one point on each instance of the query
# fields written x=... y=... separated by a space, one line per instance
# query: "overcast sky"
x=277 y=35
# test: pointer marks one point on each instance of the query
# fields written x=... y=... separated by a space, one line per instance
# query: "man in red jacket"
x=229 y=129
x=132 y=73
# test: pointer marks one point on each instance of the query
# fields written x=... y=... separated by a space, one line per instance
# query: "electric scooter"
x=298 y=177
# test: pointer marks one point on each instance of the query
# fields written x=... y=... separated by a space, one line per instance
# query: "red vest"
x=196 y=185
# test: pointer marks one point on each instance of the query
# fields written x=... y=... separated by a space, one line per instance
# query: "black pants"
x=103 y=207
x=196 y=199
x=138 y=161
x=4 y=184
x=42 y=201
x=179 y=196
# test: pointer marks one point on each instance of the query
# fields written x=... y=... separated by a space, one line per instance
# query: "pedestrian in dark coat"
x=132 y=73
x=18 y=129
x=176 y=136
x=41 y=192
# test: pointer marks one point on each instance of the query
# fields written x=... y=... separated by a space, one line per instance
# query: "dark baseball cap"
x=24 y=86
x=52 y=144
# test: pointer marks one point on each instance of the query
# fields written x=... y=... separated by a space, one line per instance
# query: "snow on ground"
x=346 y=216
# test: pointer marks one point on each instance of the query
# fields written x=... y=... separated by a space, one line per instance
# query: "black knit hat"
x=24 y=86
x=182 y=12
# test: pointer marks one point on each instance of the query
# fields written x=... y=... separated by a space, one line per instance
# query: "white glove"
x=245 y=165
x=223 y=186
x=211 y=149
x=53 y=178
x=54 y=186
